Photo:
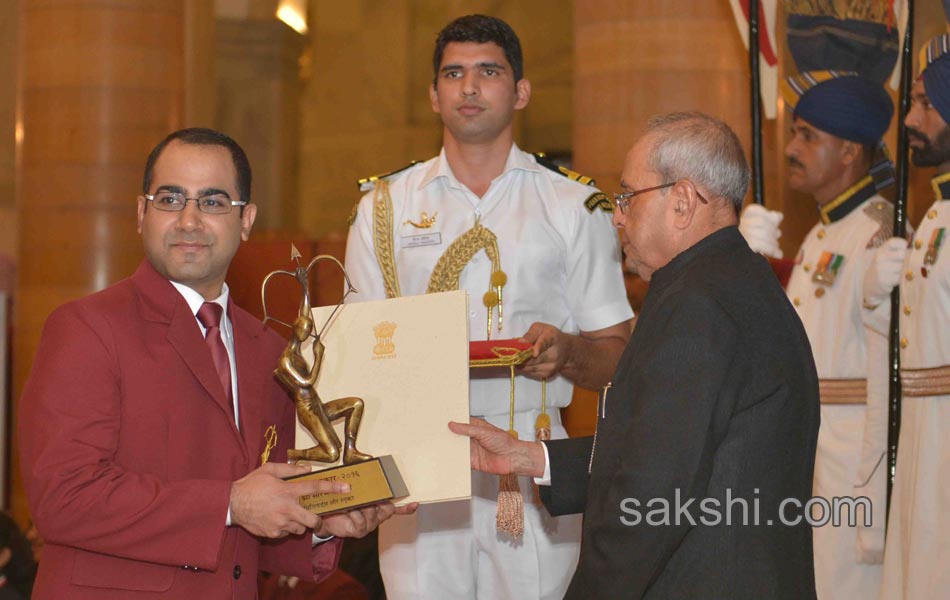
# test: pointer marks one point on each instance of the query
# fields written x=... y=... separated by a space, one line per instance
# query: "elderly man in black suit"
x=695 y=482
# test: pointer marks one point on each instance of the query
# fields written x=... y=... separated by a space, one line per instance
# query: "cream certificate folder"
x=407 y=358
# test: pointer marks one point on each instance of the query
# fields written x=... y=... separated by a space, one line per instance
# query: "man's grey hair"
x=702 y=149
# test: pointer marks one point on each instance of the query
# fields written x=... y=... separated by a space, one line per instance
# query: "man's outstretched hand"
x=495 y=451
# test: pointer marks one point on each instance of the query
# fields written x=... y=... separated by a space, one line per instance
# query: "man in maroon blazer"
x=141 y=440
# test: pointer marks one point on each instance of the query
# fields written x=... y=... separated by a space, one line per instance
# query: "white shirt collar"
x=441 y=168
x=195 y=300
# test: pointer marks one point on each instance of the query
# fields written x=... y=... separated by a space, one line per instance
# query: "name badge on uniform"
x=827 y=270
x=425 y=239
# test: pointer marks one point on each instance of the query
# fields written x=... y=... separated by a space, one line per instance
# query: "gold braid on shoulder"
x=448 y=270
x=509 y=516
x=383 y=237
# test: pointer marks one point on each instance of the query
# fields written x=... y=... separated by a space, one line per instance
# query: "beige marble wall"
x=99 y=86
x=634 y=60
x=258 y=92
x=245 y=9
x=365 y=107
x=201 y=93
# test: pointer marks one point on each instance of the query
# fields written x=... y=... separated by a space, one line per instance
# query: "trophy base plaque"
x=371 y=481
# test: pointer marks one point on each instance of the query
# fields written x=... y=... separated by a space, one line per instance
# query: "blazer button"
x=237 y=571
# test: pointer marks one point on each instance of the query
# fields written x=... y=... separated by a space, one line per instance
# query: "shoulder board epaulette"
x=599 y=200
x=574 y=175
x=883 y=214
x=366 y=184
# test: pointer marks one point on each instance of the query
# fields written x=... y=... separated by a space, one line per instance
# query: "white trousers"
x=453 y=549
x=838 y=574
x=917 y=554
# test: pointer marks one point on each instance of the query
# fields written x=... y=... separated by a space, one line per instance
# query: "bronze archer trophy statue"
x=372 y=478
x=300 y=379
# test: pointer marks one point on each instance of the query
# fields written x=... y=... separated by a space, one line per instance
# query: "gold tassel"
x=498 y=281
x=542 y=425
x=510 y=516
x=490 y=300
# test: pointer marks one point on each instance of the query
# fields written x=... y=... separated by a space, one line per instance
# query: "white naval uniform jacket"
x=563 y=268
x=832 y=316
x=918 y=537
x=561 y=258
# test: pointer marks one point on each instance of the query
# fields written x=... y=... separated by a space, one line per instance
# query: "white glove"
x=884 y=272
x=759 y=227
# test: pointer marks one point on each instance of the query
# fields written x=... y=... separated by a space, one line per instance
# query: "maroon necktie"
x=210 y=316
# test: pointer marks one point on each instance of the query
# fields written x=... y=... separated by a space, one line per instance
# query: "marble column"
x=101 y=82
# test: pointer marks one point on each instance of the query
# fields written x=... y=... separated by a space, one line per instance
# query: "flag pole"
x=758 y=195
x=900 y=230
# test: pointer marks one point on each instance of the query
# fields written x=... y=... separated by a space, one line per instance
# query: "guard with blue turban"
x=836 y=156
x=918 y=551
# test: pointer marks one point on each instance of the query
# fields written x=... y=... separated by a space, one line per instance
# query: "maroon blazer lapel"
x=253 y=379
x=162 y=303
